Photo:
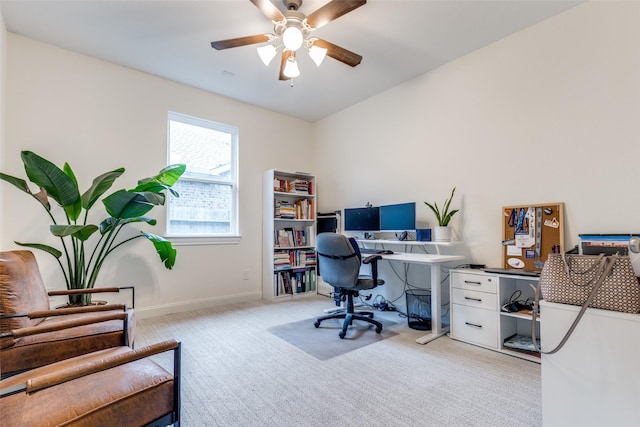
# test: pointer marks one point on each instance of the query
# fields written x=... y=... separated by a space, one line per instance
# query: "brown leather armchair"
x=117 y=386
x=34 y=335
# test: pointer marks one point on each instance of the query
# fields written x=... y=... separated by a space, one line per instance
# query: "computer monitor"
x=399 y=217
x=362 y=219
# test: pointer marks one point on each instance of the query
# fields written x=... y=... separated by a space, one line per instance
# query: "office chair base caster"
x=317 y=324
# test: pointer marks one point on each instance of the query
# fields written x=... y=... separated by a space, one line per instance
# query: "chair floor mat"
x=324 y=343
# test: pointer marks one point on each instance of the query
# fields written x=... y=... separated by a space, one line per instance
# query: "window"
x=207 y=206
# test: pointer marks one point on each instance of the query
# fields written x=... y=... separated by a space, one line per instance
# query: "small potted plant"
x=442 y=233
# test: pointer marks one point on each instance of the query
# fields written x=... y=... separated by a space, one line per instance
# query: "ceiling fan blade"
x=240 y=41
x=269 y=10
x=332 y=10
x=285 y=55
x=339 y=53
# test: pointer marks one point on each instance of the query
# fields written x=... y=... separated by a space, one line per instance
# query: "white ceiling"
x=398 y=39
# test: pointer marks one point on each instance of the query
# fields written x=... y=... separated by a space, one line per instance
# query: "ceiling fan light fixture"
x=267 y=53
x=292 y=38
x=291 y=69
x=317 y=54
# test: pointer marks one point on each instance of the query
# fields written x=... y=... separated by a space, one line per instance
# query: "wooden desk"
x=434 y=262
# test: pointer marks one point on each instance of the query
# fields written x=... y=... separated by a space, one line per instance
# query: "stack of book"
x=300 y=186
x=285 y=209
x=281 y=260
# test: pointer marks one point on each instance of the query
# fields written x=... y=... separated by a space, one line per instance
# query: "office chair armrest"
x=51 y=379
x=97 y=291
x=373 y=260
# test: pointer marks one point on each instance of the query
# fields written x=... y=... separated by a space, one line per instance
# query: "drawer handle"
x=473 y=324
x=469 y=282
x=473 y=299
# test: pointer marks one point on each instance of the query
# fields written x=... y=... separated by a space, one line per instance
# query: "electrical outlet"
x=245 y=275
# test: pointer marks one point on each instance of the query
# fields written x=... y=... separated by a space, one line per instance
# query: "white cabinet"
x=594 y=379
x=476 y=316
x=289 y=256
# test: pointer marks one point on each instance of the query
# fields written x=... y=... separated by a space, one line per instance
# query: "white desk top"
x=421 y=258
x=404 y=242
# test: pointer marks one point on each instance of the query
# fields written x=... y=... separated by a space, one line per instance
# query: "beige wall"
x=548 y=114
x=98 y=116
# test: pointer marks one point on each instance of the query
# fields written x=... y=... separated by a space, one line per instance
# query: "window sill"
x=204 y=240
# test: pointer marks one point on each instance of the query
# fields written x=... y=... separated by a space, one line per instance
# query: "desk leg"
x=437 y=330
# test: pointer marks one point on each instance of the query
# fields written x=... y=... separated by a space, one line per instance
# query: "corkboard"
x=530 y=233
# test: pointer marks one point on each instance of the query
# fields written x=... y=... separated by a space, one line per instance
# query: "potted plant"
x=83 y=260
x=442 y=233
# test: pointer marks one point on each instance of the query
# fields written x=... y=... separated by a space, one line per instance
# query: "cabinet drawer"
x=474 y=325
x=477 y=299
x=474 y=282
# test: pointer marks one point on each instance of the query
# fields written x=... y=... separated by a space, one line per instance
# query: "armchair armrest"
x=33 y=330
x=97 y=291
x=64 y=311
x=51 y=379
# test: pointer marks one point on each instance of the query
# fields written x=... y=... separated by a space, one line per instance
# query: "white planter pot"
x=442 y=234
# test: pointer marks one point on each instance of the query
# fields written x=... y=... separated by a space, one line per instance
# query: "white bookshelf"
x=289 y=229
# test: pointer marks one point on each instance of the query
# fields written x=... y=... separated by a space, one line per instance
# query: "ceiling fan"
x=293 y=29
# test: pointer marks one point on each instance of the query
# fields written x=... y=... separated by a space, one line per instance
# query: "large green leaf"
x=164 y=248
x=73 y=211
x=125 y=204
x=109 y=223
x=21 y=184
x=49 y=249
x=60 y=187
x=100 y=185
x=82 y=232
x=164 y=180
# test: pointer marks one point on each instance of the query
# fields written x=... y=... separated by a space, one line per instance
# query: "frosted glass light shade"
x=291 y=68
x=317 y=54
x=267 y=53
x=292 y=38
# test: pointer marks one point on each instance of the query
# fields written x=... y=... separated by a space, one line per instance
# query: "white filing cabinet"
x=476 y=299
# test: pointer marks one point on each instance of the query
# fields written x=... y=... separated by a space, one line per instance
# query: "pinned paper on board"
x=514 y=250
x=554 y=223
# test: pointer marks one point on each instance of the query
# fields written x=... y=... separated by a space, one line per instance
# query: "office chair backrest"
x=339 y=263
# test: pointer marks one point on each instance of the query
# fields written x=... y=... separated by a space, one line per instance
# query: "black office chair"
x=339 y=263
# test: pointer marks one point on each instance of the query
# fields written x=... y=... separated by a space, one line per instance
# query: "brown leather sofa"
x=33 y=335
x=114 y=387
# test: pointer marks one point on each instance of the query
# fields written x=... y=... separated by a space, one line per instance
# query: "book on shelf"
x=300 y=186
x=286 y=282
x=289 y=237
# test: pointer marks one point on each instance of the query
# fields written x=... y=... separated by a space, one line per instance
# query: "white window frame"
x=233 y=236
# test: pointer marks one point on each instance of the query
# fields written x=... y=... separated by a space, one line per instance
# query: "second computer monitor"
x=398 y=217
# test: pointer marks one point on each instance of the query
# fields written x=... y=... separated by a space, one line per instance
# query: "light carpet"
x=324 y=343
x=237 y=373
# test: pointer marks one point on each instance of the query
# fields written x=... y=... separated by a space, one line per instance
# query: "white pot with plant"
x=442 y=233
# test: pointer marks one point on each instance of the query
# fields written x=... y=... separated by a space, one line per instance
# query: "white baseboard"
x=159 y=310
